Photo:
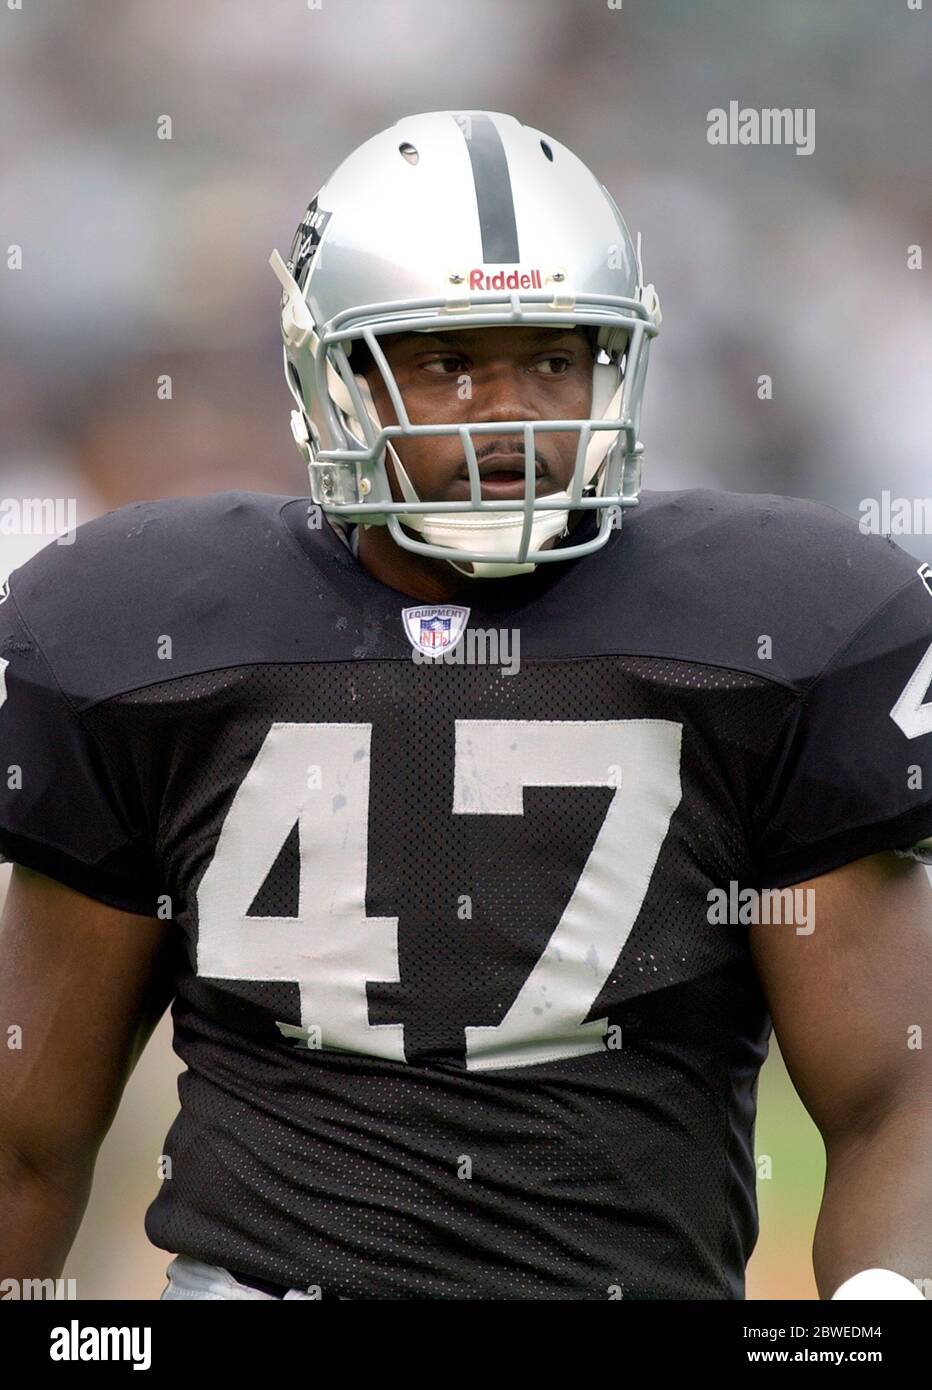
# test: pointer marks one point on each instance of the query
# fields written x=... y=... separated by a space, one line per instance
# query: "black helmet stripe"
x=494 y=201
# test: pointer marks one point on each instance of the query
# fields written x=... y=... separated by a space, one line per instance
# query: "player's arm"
x=82 y=985
x=847 y=1000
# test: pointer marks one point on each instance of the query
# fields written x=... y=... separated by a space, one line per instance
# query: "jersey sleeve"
x=853 y=771
x=61 y=811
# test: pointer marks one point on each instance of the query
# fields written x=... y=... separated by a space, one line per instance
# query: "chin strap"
x=479 y=533
x=503 y=531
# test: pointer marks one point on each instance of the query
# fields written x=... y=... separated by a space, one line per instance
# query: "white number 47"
x=332 y=949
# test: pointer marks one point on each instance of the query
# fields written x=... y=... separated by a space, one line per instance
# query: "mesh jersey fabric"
x=291 y=722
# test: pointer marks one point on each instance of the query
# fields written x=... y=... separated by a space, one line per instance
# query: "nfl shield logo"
x=435 y=627
x=435 y=632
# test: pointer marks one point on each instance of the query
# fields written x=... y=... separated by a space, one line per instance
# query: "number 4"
x=909 y=712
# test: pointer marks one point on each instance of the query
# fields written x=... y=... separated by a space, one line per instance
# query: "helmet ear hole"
x=361 y=359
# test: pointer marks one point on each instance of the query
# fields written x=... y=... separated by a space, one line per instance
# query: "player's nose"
x=500 y=392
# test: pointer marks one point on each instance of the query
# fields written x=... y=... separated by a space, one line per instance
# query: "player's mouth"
x=502 y=476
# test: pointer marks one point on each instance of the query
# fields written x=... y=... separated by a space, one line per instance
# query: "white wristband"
x=877 y=1284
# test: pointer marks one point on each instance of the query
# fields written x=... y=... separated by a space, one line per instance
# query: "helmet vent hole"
x=547 y=150
x=408 y=152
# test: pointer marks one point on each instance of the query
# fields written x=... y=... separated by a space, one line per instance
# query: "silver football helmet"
x=462 y=219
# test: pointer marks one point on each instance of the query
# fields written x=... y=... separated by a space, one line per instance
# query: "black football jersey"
x=456 y=1016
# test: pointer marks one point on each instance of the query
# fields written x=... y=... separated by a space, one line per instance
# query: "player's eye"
x=557 y=364
x=447 y=365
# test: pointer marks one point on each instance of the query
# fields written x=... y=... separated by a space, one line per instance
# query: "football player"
x=452 y=807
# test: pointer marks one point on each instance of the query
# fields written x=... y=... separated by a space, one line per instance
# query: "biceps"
x=81 y=986
x=849 y=1001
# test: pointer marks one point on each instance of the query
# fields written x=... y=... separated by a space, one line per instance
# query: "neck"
x=430 y=581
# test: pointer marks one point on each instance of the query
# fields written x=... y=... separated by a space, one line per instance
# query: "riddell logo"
x=512 y=280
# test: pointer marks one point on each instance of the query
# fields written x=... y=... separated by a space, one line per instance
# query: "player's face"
x=473 y=376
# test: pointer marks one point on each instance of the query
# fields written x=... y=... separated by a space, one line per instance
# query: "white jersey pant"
x=190 y=1278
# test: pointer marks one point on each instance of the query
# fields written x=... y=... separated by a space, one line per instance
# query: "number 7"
x=495 y=761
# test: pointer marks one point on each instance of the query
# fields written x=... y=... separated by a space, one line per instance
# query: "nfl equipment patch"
x=435 y=627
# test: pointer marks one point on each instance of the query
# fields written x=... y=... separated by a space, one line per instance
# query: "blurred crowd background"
x=143 y=256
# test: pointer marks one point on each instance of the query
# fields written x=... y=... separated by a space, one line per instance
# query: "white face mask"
x=493 y=533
